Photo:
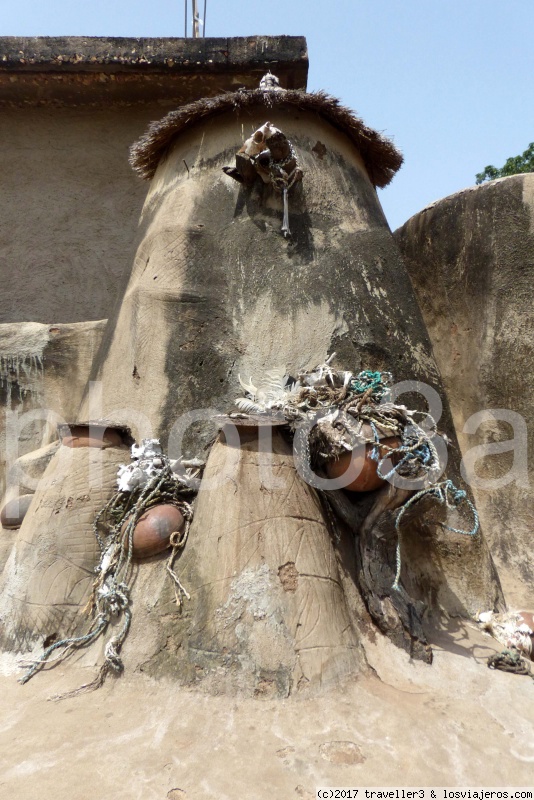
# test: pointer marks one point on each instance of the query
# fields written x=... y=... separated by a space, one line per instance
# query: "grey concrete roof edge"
x=88 y=53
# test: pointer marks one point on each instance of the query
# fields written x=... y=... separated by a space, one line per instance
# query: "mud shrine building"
x=186 y=229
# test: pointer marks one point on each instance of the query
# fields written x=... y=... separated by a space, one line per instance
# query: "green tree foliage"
x=513 y=166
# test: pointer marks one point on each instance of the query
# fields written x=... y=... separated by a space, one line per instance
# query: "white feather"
x=248 y=406
x=248 y=387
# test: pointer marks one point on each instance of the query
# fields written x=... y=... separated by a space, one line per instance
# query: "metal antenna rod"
x=195 y=19
x=196 y=22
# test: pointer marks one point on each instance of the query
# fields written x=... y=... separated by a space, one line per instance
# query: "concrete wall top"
x=71 y=108
x=85 y=70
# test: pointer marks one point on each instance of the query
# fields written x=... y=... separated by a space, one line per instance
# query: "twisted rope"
x=110 y=595
x=445 y=493
x=510 y=660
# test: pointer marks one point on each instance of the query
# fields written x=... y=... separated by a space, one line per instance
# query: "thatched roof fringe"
x=381 y=157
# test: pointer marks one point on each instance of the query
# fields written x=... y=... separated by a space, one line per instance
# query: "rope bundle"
x=110 y=600
x=510 y=660
x=330 y=412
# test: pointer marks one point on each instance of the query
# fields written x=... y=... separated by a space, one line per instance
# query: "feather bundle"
x=512 y=629
x=273 y=393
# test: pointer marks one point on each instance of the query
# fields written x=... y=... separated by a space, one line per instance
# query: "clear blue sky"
x=449 y=80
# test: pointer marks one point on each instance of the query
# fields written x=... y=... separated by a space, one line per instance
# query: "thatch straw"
x=381 y=157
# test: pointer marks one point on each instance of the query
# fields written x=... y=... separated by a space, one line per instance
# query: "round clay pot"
x=85 y=435
x=15 y=510
x=366 y=478
x=153 y=531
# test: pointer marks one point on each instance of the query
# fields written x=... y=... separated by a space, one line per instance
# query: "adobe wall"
x=471 y=260
x=70 y=207
x=70 y=109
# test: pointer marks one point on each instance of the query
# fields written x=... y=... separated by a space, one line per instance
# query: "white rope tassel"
x=178 y=543
x=285 y=223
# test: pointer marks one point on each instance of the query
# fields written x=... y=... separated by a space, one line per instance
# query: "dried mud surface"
x=455 y=723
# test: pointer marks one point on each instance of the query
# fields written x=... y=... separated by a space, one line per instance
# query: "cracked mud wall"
x=216 y=289
x=268 y=615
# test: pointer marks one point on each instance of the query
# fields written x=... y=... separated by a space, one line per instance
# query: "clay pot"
x=248 y=427
x=94 y=435
x=15 y=510
x=527 y=617
x=153 y=531
x=364 y=467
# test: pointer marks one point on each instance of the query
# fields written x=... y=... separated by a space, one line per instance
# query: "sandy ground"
x=455 y=723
